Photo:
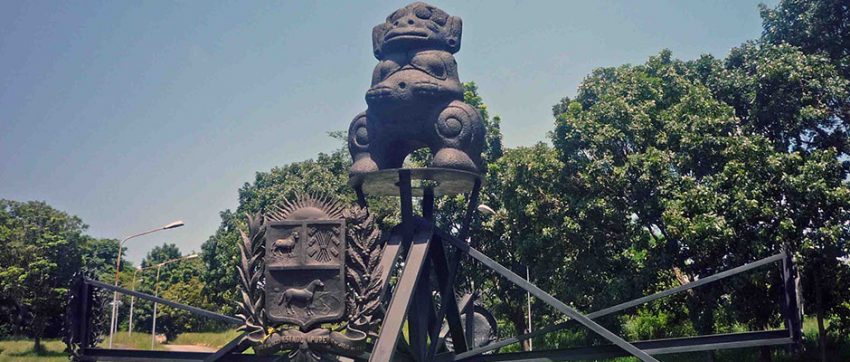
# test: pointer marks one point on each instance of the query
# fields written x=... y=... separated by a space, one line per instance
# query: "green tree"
x=172 y=272
x=493 y=148
x=39 y=253
x=219 y=255
x=709 y=164
x=526 y=230
x=798 y=101
x=816 y=27
x=638 y=144
x=792 y=86
x=173 y=280
x=99 y=255
x=173 y=321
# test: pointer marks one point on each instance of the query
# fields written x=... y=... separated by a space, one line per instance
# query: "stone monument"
x=416 y=97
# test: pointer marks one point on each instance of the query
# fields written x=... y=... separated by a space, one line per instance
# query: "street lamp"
x=114 y=320
x=133 y=298
x=487 y=210
x=156 y=291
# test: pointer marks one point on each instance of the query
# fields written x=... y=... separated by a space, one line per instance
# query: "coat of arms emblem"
x=305 y=263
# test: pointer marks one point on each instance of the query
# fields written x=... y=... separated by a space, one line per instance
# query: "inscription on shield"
x=305 y=275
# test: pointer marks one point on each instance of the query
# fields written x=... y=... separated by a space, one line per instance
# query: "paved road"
x=187 y=348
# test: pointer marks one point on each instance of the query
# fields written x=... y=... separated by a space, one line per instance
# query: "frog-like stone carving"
x=416 y=97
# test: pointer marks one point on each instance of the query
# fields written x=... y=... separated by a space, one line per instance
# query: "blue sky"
x=131 y=114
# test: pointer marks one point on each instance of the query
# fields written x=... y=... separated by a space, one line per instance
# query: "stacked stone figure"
x=416 y=97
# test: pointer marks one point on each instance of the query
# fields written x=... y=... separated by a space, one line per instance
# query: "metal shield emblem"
x=305 y=268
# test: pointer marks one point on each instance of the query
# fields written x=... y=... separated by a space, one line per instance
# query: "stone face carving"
x=416 y=97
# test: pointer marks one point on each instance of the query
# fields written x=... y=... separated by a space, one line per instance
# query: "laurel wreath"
x=363 y=272
x=252 y=250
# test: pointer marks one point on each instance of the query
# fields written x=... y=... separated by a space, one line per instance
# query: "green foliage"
x=173 y=321
x=816 y=27
x=798 y=101
x=695 y=167
x=641 y=147
x=219 y=254
x=180 y=281
x=655 y=323
x=493 y=144
x=39 y=252
x=99 y=256
x=523 y=231
x=171 y=272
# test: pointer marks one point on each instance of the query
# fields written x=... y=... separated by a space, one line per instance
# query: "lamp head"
x=173 y=225
x=484 y=209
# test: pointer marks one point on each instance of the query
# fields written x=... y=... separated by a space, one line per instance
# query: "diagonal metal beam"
x=448 y=303
x=189 y=308
x=402 y=295
x=625 y=305
x=417 y=317
x=389 y=256
x=549 y=299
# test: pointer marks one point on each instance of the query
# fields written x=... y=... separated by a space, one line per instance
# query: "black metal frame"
x=83 y=315
x=407 y=303
x=791 y=335
x=425 y=250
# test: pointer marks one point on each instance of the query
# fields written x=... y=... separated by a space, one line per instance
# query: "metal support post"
x=447 y=287
x=410 y=275
x=791 y=306
x=86 y=299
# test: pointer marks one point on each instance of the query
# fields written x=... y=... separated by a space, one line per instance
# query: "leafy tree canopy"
x=39 y=253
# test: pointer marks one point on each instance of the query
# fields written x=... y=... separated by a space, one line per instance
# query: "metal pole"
x=528 y=298
x=114 y=319
x=155 y=294
x=132 y=299
x=156 y=291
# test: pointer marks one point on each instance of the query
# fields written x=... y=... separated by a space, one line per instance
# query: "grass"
x=141 y=340
x=21 y=351
x=138 y=340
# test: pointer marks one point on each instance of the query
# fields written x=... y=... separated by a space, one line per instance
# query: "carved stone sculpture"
x=416 y=97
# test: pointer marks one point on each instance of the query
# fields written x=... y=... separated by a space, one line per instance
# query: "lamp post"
x=114 y=319
x=156 y=291
x=133 y=298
